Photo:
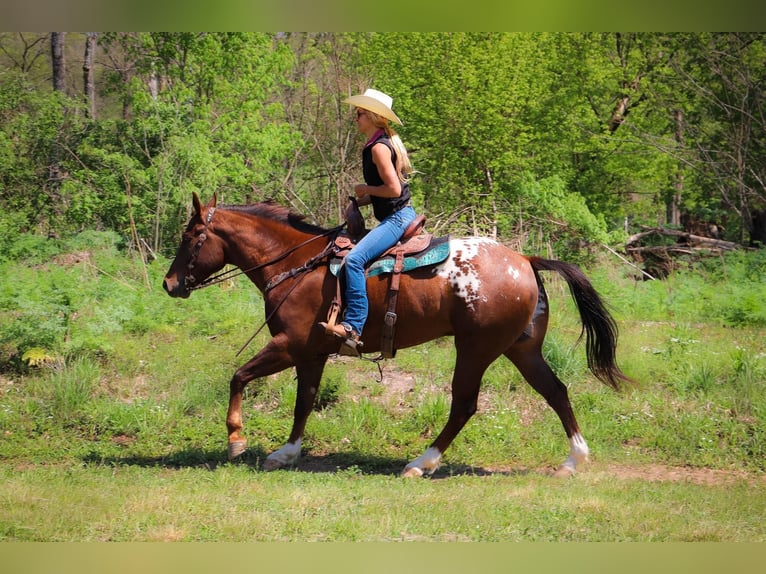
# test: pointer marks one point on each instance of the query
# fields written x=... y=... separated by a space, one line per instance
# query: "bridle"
x=191 y=280
x=274 y=281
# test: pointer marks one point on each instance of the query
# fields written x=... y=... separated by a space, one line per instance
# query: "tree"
x=200 y=115
x=724 y=75
x=322 y=171
x=89 y=88
x=23 y=51
x=58 y=61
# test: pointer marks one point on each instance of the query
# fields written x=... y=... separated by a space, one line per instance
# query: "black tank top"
x=382 y=207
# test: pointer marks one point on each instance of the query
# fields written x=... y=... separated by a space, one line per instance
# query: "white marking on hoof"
x=578 y=454
x=286 y=456
x=413 y=472
x=237 y=449
x=426 y=463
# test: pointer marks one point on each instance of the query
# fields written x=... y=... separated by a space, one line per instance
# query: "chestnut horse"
x=489 y=298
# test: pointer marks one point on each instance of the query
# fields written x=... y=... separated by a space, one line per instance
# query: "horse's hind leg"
x=466 y=382
x=528 y=358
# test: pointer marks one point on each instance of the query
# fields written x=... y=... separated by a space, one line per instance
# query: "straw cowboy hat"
x=376 y=102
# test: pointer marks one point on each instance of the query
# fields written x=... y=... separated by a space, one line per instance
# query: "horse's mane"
x=272 y=210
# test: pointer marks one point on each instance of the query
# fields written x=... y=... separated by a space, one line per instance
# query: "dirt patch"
x=123 y=440
x=663 y=473
x=647 y=472
x=72 y=259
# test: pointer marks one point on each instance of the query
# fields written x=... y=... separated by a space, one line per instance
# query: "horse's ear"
x=214 y=200
x=196 y=203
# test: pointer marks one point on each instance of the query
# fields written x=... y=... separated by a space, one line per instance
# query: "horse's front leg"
x=309 y=377
x=273 y=358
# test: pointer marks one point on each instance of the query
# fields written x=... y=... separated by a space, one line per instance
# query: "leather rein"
x=299 y=271
x=274 y=281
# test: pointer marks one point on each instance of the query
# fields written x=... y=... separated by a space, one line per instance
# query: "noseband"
x=189 y=278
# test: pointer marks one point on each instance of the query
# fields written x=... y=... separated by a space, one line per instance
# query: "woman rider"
x=386 y=169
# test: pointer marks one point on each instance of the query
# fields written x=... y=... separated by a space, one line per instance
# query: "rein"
x=231 y=273
x=274 y=281
x=297 y=271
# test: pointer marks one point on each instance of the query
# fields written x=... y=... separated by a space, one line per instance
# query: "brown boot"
x=349 y=336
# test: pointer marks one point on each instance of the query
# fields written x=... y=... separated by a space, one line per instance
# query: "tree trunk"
x=59 y=84
x=58 y=61
x=674 y=203
x=89 y=88
x=758 y=231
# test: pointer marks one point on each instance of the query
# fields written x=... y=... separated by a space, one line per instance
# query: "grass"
x=120 y=435
x=236 y=503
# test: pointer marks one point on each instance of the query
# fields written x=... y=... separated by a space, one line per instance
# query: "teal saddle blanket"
x=436 y=252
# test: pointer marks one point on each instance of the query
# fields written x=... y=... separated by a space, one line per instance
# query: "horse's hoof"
x=564 y=471
x=237 y=449
x=272 y=464
x=412 y=472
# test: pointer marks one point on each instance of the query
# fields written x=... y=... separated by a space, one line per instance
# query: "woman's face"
x=363 y=121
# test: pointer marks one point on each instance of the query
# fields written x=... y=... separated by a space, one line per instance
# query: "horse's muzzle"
x=175 y=288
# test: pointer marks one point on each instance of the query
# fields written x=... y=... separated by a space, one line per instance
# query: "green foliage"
x=737 y=298
x=32 y=248
x=72 y=387
x=629 y=126
x=471 y=129
x=562 y=215
x=30 y=121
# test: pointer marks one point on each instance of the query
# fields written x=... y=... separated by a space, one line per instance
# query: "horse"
x=487 y=297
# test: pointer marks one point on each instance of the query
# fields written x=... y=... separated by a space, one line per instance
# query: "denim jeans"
x=371 y=246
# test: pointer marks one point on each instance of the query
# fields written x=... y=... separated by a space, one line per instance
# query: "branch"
x=690 y=239
x=628 y=262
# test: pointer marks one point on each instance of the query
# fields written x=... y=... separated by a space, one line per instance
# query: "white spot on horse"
x=460 y=269
x=513 y=272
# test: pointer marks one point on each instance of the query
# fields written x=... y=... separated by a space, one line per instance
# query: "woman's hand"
x=362 y=197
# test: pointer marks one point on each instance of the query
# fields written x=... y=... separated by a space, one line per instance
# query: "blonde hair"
x=403 y=165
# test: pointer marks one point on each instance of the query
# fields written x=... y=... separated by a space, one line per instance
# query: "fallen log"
x=683 y=237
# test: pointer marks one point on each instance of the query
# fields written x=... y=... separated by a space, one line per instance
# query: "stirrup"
x=349 y=336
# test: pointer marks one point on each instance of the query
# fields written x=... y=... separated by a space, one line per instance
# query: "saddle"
x=415 y=249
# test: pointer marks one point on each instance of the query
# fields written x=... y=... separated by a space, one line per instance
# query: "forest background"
x=570 y=145
x=551 y=141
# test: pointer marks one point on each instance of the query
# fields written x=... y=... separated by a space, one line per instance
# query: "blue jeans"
x=371 y=246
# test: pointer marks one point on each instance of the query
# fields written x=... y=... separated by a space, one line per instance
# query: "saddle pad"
x=437 y=252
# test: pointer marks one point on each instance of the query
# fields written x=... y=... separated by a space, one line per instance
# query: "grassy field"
x=113 y=397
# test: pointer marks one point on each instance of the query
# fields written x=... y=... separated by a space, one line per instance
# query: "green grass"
x=117 y=431
x=236 y=503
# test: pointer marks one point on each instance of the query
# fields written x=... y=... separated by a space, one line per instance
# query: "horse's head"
x=199 y=255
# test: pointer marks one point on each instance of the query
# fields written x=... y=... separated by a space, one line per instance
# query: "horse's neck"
x=256 y=241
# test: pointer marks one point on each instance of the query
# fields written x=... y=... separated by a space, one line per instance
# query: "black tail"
x=598 y=325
